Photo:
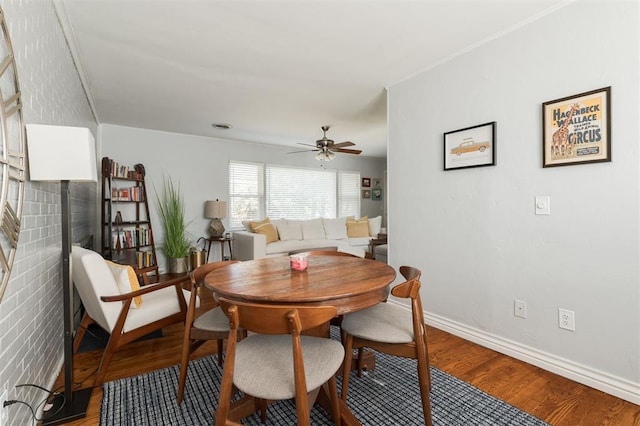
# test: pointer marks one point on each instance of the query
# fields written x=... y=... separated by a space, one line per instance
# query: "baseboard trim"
x=604 y=382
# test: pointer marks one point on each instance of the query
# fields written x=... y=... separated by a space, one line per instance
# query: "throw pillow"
x=335 y=229
x=357 y=228
x=253 y=224
x=375 y=224
x=313 y=230
x=290 y=231
x=126 y=279
x=268 y=230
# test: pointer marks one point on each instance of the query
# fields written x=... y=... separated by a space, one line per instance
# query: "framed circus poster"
x=577 y=129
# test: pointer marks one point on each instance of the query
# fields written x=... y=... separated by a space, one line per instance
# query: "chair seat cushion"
x=384 y=322
x=264 y=364
x=156 y=305
x=212 y=320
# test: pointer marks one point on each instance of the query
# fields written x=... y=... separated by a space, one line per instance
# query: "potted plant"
x=176 y=244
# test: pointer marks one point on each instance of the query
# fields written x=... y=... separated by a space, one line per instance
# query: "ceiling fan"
x=327 y=148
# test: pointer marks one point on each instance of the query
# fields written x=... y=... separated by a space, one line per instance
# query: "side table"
x=221 y=240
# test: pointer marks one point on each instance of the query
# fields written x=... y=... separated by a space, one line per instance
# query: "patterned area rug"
x=388 y=395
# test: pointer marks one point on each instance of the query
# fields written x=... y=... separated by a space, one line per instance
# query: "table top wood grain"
x=348 y=283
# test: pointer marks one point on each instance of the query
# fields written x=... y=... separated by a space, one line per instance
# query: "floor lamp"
x=63 y=154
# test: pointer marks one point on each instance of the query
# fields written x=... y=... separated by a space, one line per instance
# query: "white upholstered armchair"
x=114 y=300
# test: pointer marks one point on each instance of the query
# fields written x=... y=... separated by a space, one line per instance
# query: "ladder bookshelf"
x=127 y=235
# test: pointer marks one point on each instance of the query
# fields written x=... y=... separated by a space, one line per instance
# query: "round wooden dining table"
x=345 y=282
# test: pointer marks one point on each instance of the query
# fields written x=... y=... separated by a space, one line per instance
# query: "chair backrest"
x=411 y=289
x=93 y=279
x=271 y=319
x=275 y=319
x=197 y=280
x=198 y=274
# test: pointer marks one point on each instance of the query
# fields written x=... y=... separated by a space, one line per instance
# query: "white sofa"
x=296 y=235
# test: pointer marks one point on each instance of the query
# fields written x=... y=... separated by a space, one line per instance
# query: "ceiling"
x=275 y=70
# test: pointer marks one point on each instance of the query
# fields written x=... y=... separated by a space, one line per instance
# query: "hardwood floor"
x=552 y=398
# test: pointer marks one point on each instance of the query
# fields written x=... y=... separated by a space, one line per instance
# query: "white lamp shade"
x=215 y=209
x=61 y=153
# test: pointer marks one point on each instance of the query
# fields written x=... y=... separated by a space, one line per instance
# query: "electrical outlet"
x=520 y=308
x=566 y=319
x=4 y=414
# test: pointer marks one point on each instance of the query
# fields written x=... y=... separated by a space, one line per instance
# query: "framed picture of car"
x=470 y=147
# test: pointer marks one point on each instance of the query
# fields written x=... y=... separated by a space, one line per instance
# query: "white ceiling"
x=275 y=70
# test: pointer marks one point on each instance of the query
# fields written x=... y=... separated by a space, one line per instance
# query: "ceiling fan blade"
x=304 y=150
x=346 y=151
x=343 y=144
x=306 y=144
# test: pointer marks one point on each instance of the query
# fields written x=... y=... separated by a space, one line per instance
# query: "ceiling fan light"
x=320 y=156
x=330 y=155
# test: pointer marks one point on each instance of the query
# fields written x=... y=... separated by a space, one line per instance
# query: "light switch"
x=543 y=204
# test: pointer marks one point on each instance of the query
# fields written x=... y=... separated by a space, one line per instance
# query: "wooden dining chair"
x=278 y=362
x=211 y=325
x=394 y=330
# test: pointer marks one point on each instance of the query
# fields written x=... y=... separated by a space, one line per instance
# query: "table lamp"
x=63 y=154
x=216 y=210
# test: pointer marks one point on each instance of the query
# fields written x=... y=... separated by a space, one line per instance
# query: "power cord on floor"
x=51 y=395
x=17 y=401
x=34 y=417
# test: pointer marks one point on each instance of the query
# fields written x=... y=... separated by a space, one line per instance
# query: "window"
x=348 y=194
x=257 y=190
x=296 y=193
x=246 y=192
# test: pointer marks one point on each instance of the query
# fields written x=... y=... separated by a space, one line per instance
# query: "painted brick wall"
x=31 y=329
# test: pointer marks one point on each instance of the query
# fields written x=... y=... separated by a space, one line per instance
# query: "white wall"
x=201 y=165
x=473 y=232
x=31 y=326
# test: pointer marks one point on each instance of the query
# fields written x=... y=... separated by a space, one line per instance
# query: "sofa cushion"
x=313 y=229
x=268 y=230
x=290 y=231
x=357 y=227
x=375 y=224
x=253 y=224
x=284 y=247
x=277 y=222
x=126 y=279
x=358 y=241
x=335 y=229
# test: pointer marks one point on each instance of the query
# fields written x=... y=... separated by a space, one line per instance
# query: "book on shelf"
x=130 y=238
x=134 y=193
x=145 y=259
x=118 y=170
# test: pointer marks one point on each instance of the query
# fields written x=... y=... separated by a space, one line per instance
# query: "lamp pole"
x=73 y=405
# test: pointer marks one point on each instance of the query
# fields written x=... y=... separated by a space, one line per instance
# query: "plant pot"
x=178 y=265
x=196 y=259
